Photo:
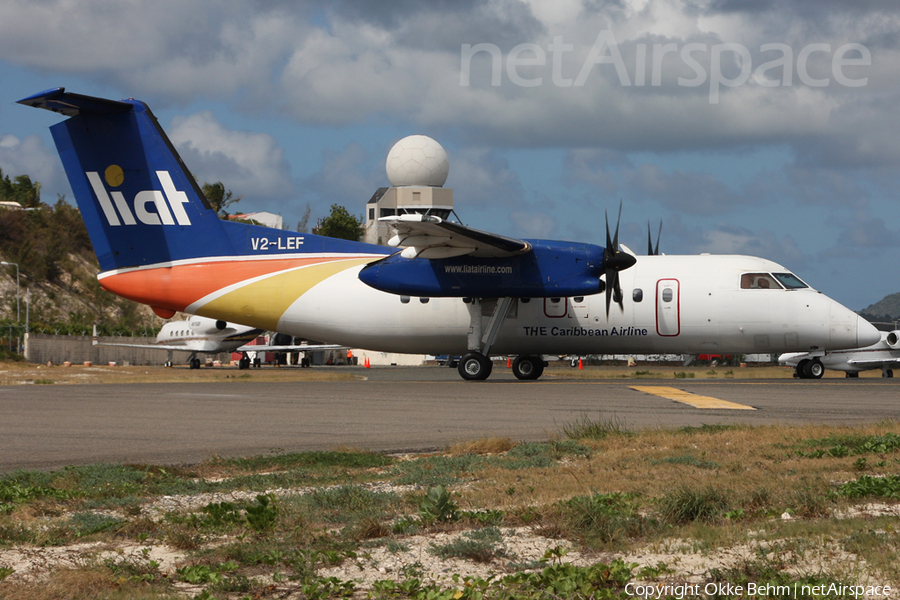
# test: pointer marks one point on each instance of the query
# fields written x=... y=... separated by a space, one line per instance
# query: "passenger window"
x=667 y=295
x=637 y=295
x=424 y=300
x=404 y=299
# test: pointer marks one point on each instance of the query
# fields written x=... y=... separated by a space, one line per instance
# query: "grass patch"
x=687 y=504
x=686 y=459
x=702 y=489
x=603 y=520
x=292 y=460
x=585 y=428
x=437 y=470
x=480 y=545
x=850 y=445
x=482 y=446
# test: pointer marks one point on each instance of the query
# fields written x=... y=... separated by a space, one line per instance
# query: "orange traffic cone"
x=580 y=364
x=366 y=363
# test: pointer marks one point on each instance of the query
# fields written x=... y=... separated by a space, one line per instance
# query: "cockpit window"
x=759 y=281
x=790 y=281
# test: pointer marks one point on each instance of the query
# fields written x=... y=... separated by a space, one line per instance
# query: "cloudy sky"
x=761 y=127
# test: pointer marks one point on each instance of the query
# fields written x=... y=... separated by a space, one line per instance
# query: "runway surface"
x=396 y=409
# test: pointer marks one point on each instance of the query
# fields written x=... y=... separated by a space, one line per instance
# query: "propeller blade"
x=614 y=260
x=651 y=249
x=618 y=220
x=608 y=239
x=609 y=291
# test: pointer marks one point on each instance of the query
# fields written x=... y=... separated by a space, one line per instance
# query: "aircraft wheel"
x=888 y=373
x=195 y=363
x=244 y=363
x=814 y=369
x=475 y=366
x=528 y=367
x=800 y=370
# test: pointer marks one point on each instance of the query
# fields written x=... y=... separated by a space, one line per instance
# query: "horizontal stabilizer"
x=59 y=101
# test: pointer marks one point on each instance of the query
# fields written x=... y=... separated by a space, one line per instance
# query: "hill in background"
x=886 y=310
x=58 y=266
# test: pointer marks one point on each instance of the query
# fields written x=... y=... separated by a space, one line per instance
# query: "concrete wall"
x=41 y=348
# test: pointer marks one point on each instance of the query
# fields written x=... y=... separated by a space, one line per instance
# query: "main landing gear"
x=476 y=365
x=810 y=369
x=528 y=367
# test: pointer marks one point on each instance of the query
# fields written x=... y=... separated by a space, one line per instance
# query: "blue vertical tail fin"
x=140 y=203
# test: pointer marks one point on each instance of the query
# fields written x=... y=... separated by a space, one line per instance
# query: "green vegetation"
x=340 y=224
x=272 y=526
x=586 y=428
x=437 y=506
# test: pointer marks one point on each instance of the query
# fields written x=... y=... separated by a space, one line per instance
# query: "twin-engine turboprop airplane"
x=202 y=335
x=450 y=290
x=884 y=355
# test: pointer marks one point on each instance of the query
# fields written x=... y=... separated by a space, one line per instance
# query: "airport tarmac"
x=394 y=410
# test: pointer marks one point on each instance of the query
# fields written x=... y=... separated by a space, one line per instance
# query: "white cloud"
x=348 y=178
x=533 y=224
x=30 y=157
x=348 y=62
x=730 y=239
x=251 y=164
x=482 y=178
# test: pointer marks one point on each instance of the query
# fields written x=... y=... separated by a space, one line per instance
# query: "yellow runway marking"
x=689 y=398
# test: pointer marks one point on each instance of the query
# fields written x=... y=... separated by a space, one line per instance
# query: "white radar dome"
x=417 y=161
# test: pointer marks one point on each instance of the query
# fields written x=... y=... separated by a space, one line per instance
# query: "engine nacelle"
x=204 y=325
x=550 y=269
x=893 y=339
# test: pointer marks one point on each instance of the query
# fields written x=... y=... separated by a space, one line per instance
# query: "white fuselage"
x=201 y=334
x=673 y=304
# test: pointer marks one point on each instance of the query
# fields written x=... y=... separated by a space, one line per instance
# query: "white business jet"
x=884 y=355
x=442 y=288
x=202 y=335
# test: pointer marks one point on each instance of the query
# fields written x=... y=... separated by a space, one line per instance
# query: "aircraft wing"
x=427 y=236
x=157 y=347
x=290 y=348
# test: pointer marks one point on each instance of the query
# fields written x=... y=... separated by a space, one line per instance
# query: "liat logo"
x=167 y=203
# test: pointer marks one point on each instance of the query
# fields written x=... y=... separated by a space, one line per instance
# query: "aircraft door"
x=668 y=307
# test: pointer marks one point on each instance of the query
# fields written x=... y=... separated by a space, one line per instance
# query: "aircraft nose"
x=866 y=334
